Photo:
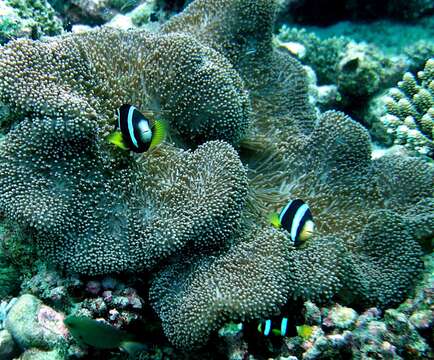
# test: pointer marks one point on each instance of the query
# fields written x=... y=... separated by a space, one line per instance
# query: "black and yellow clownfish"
x=297 y=219
x=135 y=132
x=277 y=326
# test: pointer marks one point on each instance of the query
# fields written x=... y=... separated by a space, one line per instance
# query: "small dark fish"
x=297 y=219
x=135 y=132
x=102 y=336
x=277 y=328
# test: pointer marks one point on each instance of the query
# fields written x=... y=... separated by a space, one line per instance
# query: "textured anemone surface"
x=352 y=197
x=248 y=281
x=365 y=250
x=94 y=215
x=171 y=76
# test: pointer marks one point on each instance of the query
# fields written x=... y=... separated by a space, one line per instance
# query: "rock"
x=35 y=354
x=8 y=348
x=35 y=325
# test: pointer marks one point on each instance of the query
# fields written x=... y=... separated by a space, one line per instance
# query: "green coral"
x=409 y=110
x=27 y=18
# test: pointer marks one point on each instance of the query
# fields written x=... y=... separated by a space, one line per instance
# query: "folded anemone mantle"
x=213 y=74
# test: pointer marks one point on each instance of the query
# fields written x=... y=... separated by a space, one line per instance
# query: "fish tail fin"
x=273 y=218
x=133 y=347
x=116 y=139
x=304 y=331
x=159 y=133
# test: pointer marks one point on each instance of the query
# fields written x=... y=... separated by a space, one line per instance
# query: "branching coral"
x=409 y=109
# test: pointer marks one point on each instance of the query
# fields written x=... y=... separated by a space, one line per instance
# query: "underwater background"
x=216 y=179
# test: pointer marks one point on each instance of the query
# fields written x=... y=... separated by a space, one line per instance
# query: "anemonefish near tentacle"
x=296 y=218
x=277 y=326
x=135 y=132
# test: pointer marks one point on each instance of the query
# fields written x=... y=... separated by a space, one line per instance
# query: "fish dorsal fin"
x=159 y=132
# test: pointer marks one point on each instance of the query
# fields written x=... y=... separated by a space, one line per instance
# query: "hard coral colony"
x=192 y=213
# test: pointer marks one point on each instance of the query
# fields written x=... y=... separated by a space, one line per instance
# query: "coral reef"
x=197 y=219
x=69 y=170
x=407 y=111
x=357 y=69
x=117 y=13
x=9 y=275
x=339 y=331
x=111 y=300
x=351 y=256
x=51 y=287
x=418 y=54
x=348 y=180
x=27 y=19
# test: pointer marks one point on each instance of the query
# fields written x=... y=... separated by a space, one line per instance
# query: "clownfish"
x=135 y=132
x=297 y=219
x=273 y=327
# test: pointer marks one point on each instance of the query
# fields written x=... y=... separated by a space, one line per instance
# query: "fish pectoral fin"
x=273 y=218
x=117 y=139
x=159 y=131
x=133 y=347
x=276 y=332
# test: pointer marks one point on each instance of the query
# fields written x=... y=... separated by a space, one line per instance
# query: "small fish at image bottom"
x=135 y=132
x=275 y=327
x=102 y=336
x=296 y=218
